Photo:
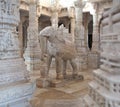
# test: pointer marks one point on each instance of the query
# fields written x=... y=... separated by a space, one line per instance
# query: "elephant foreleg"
x=49 y=60
x=64 y=68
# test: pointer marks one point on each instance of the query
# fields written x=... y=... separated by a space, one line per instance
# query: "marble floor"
x=75 y=89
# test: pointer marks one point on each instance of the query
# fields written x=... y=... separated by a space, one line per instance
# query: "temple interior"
x=59 y=53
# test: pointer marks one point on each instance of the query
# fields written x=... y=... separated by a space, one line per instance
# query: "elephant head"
x=48 y=32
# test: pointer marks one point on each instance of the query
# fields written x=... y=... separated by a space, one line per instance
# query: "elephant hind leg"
x=74 y=67
x=58 y=66
x=75 y=73
x=64 y=68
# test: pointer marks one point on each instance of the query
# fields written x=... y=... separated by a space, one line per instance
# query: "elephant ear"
x=59 y=34
x=60 y=37
x=64 y=35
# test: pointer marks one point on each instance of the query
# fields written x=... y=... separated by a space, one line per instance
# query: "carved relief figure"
x=3 y=6
x=62 y=48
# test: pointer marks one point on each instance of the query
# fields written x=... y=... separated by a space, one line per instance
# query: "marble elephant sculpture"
x=61 y=48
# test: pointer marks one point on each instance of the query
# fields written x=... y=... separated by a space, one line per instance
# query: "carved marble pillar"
x=79 y=36
x=32 y=53
x=73 y=28
x=95 y=32
x=96 y=39
x=105 y=87
x=54 y=17
x=72 y=22
x=15 y=87
x=20 y=29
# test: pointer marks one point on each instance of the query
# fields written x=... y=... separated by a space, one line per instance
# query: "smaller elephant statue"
x=63 y=48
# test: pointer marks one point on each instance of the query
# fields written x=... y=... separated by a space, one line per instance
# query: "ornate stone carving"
x=80 y=38
x=15 y=87
x=32 y=53
x=104 y=89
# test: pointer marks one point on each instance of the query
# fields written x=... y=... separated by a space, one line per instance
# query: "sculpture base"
x=32 y=58
x=43 y=83
x=32 y=64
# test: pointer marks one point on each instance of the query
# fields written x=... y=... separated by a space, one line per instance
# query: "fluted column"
x=79 y=36
x=32 y=53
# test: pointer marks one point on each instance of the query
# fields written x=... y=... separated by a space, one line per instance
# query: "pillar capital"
x=78 y=3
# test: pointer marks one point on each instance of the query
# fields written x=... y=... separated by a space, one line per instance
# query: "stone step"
x=104 y=92
x=89 y=102
x=110 y=56
x=110 y=69
x=106 y=75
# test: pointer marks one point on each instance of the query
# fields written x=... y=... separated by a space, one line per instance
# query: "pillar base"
x=16 y=95
x=93 y=60
x=32 y=60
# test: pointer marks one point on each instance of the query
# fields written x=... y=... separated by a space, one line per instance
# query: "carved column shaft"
x=109 y=68
x=32 y=53
x=95 y=32
x=15 y=88
x=54 y=19
x=96 y=36
x=20 y=29
x=73 y=28
x=79 y=36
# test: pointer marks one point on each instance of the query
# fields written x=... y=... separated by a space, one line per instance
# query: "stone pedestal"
x=43 y=82
x=15 y=85
x=105 y=88
x=32 y=52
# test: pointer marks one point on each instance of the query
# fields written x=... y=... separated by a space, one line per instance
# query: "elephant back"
x=66 y=49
